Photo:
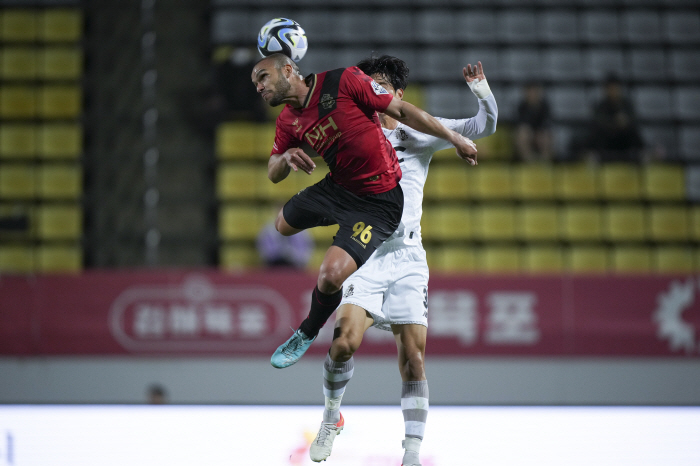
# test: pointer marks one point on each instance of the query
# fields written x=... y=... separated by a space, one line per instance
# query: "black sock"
x=322 y=306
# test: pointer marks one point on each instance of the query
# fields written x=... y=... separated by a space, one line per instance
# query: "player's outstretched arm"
x=422 y=121
x=280 y=165
x=484 y=122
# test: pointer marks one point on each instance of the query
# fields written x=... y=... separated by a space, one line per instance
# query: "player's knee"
x=282 y=227
x=330 y=279
x=414 y=369
x=343 y=348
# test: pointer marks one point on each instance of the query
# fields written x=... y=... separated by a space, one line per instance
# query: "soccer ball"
x=282 y=35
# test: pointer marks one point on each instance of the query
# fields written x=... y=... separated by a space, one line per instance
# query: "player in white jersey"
x=391 y=290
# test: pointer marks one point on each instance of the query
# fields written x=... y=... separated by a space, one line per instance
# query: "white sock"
x=331 y=413
x=412 y=453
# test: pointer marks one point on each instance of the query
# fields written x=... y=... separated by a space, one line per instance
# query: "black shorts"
x=365 y=221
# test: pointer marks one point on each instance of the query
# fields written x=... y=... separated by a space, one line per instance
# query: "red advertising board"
x=212 y=313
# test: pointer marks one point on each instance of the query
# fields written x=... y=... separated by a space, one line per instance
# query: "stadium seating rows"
x=500 y=217
x=41 y=139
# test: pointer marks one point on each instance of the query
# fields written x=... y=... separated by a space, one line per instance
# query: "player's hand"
x=472 y=73
x=298 y=160
x=466 y=149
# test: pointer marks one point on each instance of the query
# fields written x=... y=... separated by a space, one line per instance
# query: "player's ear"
x=399 y=93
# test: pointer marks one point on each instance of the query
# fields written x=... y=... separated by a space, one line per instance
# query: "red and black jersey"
x=339 y=120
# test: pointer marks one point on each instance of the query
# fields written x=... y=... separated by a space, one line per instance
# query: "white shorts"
x=392 y=286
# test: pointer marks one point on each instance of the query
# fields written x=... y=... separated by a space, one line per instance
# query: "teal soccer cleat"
x=291 y=351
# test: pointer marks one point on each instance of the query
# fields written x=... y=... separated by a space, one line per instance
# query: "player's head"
x=271 y=77
x=387 y=70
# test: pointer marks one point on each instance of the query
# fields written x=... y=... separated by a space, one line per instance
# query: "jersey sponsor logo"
x=379 y=90
x=322 y=134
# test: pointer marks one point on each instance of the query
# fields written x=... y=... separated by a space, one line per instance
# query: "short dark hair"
x=280 y=60
x=393 y=69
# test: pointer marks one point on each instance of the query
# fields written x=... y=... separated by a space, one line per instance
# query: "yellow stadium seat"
x=668 y=223
x=673 y=259
x=17 y=141
x=620 y=182
x=453 y=259
x=60 y=181
x=495 y=222
x=631 y=259
x=581 y=223
x=17 y=181
x=265 y=138
x=18 y=102
x=18 y=63
x=60 y=141
x=695 y=223
x=238 y=257
x=538 y=222
x=60 y=101
x=303 y=180
x=239 y=222
x=576 y=182
x=428 y=224
x=534 y=181
x=323 y=236
x=664 y=182
x=239 y=181
x=18 y=25
x=285 y=189
x=16 y=259
x=236 y=140
x=451 y=223
x=499 y=259
x=448 y=181
x=587 y=259
x=60 y=25
x=59 y=259
x=543 y=259
x=492 y=181
x=59 y=222
x=316 y=259
x=415 y=94
x=61 y=63
x=280 y=192
x=625 y=223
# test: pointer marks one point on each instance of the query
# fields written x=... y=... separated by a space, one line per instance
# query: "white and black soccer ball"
x=282 y=35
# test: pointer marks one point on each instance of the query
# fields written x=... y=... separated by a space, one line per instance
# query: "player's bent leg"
x=283 y=227
x=351 y=322
x=410 y=342
x=336 y=267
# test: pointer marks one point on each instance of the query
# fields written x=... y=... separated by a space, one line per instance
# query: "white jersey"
x=393 y=284
x=415 y=151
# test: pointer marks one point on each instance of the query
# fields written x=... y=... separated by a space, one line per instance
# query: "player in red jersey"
x=335 y=113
